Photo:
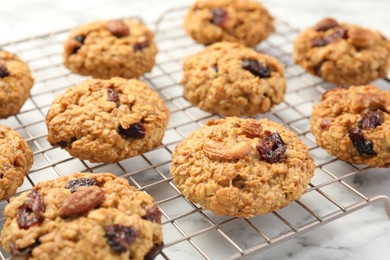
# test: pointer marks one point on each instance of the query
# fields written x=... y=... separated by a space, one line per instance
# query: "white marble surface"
x=361 y=235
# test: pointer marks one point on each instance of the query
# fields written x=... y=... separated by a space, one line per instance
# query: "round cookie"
x=242 y=21
x=15 y=83
x=242 y=167
x=107 y=120
x=232 y=80
x=343 y=53
x=16 y=159
x=353 y=124
x=114 y=48
x=83 y=216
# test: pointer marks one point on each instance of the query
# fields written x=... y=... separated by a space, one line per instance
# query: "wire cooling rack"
x=189 y=231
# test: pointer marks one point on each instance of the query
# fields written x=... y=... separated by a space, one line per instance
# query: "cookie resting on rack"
x=107 y=120
x=16 y=159
x=233 y=80
x=245 y=21
x=242 y=167
x=15 y=84
x=353 y=124
x=113 y=48
x=83 y=216
x=343 y=53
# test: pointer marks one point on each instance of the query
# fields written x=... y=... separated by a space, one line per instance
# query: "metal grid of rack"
x=188 y=229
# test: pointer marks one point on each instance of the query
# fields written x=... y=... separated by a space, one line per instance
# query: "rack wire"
x=188 y=229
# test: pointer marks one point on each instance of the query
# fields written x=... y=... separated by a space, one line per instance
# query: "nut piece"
x=325 y=24
x=81 y=201
x=251 y=128
x=361 y=38
x=219 y=151
x=118 y=28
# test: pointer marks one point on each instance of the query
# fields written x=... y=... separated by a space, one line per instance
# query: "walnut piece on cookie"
x=232 y=80
x=353 y=124
x=242 y=167
x=245 y=21
x=107 y=120
x=343 y=53
x=114 y=48
x=83 y=216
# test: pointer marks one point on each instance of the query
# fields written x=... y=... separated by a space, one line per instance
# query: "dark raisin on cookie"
x=238 y=182
x=3 y=71
x=31 y=212
x=215 y=68
x=219 y=16
x=139 y=46
x=120 y=237
x=113 y=96
x=256 y=68
x=337 y=34
x=80 y=41
x=361 y=143
x=73 y=185
x=325 y=123
x=271 y=148
x=371 y=120
x=64 y=144
x=154 y=251
x=22 y=252
x=118 y=28
x=135 y=131
x=153 y=214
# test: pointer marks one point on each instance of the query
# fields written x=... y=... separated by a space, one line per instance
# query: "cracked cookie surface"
x=16 y=159
x=123 y=224
x=343 y=53
x=107 y=120
x=242 y=21
x=15 y=83
x=233 y=80
x=242 y=167
x=353 y=124
x=113 y=48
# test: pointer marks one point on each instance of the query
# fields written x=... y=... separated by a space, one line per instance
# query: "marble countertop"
x=364 y=234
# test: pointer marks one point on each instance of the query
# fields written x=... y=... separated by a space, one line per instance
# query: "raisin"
x=256 y=68
x=154 y=251
x=371 y=120
x=362 y=145
x=135 y=131
x=271 y=148
x=80 y=39
x=118 y=28
x=238 y=182
x=18 y=252
x=220 y=16
x=153 y=214
x=30 y=213
x=325 y=123
x=73 y=185
x=215 y=68
x=113 y=96
x=120 y=237
x=3 y=71
x=139 y=46
x=64 y=144
x=317 y=68
x=338 y=34
x=325 y=24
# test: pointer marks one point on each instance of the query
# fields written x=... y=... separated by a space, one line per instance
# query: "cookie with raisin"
x=15 y=83
x=244 y=21
x=242 y=167
x=83 y=216
x=112 y=48
x=233 y=80
x=343 y=53
x=353 y=124
x=16 y=159
x=107 y=120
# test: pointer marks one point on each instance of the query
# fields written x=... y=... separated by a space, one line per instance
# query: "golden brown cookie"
x=16 y=159
x=354 y=124
x=114 y=48
x=15 y=83
x=232 y=80
x=242 y=167
x=83 y=216
x=107 y=120
x=245 y=21
x=343 y=53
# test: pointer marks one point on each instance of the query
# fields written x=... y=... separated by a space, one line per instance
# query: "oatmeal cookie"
x=242 y=21
x=15 y=83
x=16 y=159
x=343 y=53
x=114 y=48
x=354 y=124
x=242 y=167
x=233 y=80
x=107 y=120
x=83 y=216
